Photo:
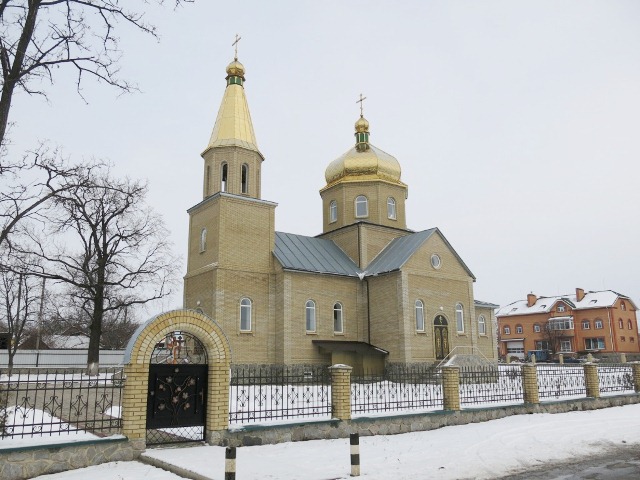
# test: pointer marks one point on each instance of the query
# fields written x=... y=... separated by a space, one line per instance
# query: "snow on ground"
x=479 y=451
x=115 y=471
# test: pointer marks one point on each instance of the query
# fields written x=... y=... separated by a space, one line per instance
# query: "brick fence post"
x=451 y=388
x=341 y=391
x=591 y=381
x=530 y=384
x=636 y=376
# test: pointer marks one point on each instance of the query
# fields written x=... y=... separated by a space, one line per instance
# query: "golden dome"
x=362 y=125
x=235 y=68
x=364 y=165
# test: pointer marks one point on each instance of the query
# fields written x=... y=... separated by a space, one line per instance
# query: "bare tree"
x=28 y=186
x=113 y=251
x=552 y=336
x=37 y=36
x=20 y=299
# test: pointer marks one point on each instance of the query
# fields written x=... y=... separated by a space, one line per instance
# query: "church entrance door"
x=441 y=337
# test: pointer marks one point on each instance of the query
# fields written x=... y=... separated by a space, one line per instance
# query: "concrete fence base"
x=20 y=463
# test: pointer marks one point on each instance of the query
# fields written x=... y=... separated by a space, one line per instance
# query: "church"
x=367 y=291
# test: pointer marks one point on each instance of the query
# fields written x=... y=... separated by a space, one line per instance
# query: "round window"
x=435 y=261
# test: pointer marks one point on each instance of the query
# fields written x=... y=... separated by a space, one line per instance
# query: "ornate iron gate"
x=176 y=404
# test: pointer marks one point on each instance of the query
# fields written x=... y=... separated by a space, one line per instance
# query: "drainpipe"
x=613 y=345
x=369 y=314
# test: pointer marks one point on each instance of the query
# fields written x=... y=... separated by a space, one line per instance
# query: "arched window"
x=586 y=325
x=223 y=177
x=620 y=323
x=459 y=318
x=310 y=316
x=419 y=316
x=629 y=325
x=519 y=329
x=333 y=211
x=203 y=240
x=597 y=324
x=482 y=325
x=391 y=208
x=337 y=318
x=245 y=315
x=536 y=328
x=208 y=180
x=623 y=306
x=362 y=206
x=507 y=330
x=245 y=179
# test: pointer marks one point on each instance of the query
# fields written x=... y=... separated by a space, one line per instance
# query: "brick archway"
x=138 y=357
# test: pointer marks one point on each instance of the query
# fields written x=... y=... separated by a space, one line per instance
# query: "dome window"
x=333 y=211
x=391 y=208
x=362 y=206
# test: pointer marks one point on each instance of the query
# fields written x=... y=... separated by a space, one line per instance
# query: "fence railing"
x=560 y=381
x=279 y=393
x=410 y=388
x=37 y=402
x=615 y=378
x=491 y=385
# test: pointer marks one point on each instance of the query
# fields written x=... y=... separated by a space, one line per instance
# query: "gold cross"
x=235 y=44
x=362 y=99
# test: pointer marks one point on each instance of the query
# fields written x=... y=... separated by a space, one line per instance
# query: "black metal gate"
x=176 y=403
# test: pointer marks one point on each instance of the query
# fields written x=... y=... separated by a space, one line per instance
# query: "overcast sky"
x=516 y=123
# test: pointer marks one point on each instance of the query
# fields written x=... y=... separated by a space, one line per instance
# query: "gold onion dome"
x=363 y=162
x=362 y=125
x=235 y=68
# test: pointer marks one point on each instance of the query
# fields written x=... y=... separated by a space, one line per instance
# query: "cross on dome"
x=235 y=45
x=361 y=101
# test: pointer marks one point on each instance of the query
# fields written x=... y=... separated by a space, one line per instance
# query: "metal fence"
x=491 y=385
x=409 y=388
x=615 y=378
x=561 y=381
x=40 y=402
x=59 y=358
x=279 y=393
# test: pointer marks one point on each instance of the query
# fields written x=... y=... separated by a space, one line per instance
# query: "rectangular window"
x=561 y=324
x=507 y=331
x=536 y=328
x=565 y=345
x=518 y=328
x=598 y=324
x=586 y=325
x=542 y=345
x=594 y=343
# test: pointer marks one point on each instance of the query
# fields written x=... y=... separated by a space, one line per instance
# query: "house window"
x=632 y=339
x=333 y=211
x=629 y=326
x=623 y=306
x=560 y=308
x=482 y=325
x=436 y=262
x=594 y=343
x=391 y=208
x=586 y=324
x=223 y=177
x=362 y=206
x=561 y=323
x=536 y=327
x=245 y=315
x=245 y=179
x=518 y=328
x=620 y=324
x=542 y=345
x=419 y=316
x=310 y=316
x=459 y=318
x=208 y=180
x=337 y=318
x=507 y=330
x=203 y=240
x=565 y=345
x=623 y=339
x=597 y=324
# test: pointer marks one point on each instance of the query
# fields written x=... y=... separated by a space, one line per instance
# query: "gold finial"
x=362 y=99
x=235 y=45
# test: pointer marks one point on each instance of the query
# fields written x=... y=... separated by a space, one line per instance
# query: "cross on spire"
x=362 y=99
x=235 y=44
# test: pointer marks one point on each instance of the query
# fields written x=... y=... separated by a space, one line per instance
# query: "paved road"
x=618 y=463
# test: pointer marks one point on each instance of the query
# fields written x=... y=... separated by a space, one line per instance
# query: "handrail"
x=474 y=351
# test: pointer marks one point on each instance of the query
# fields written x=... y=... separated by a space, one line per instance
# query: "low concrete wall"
x=417 y=422
x=21 y=463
